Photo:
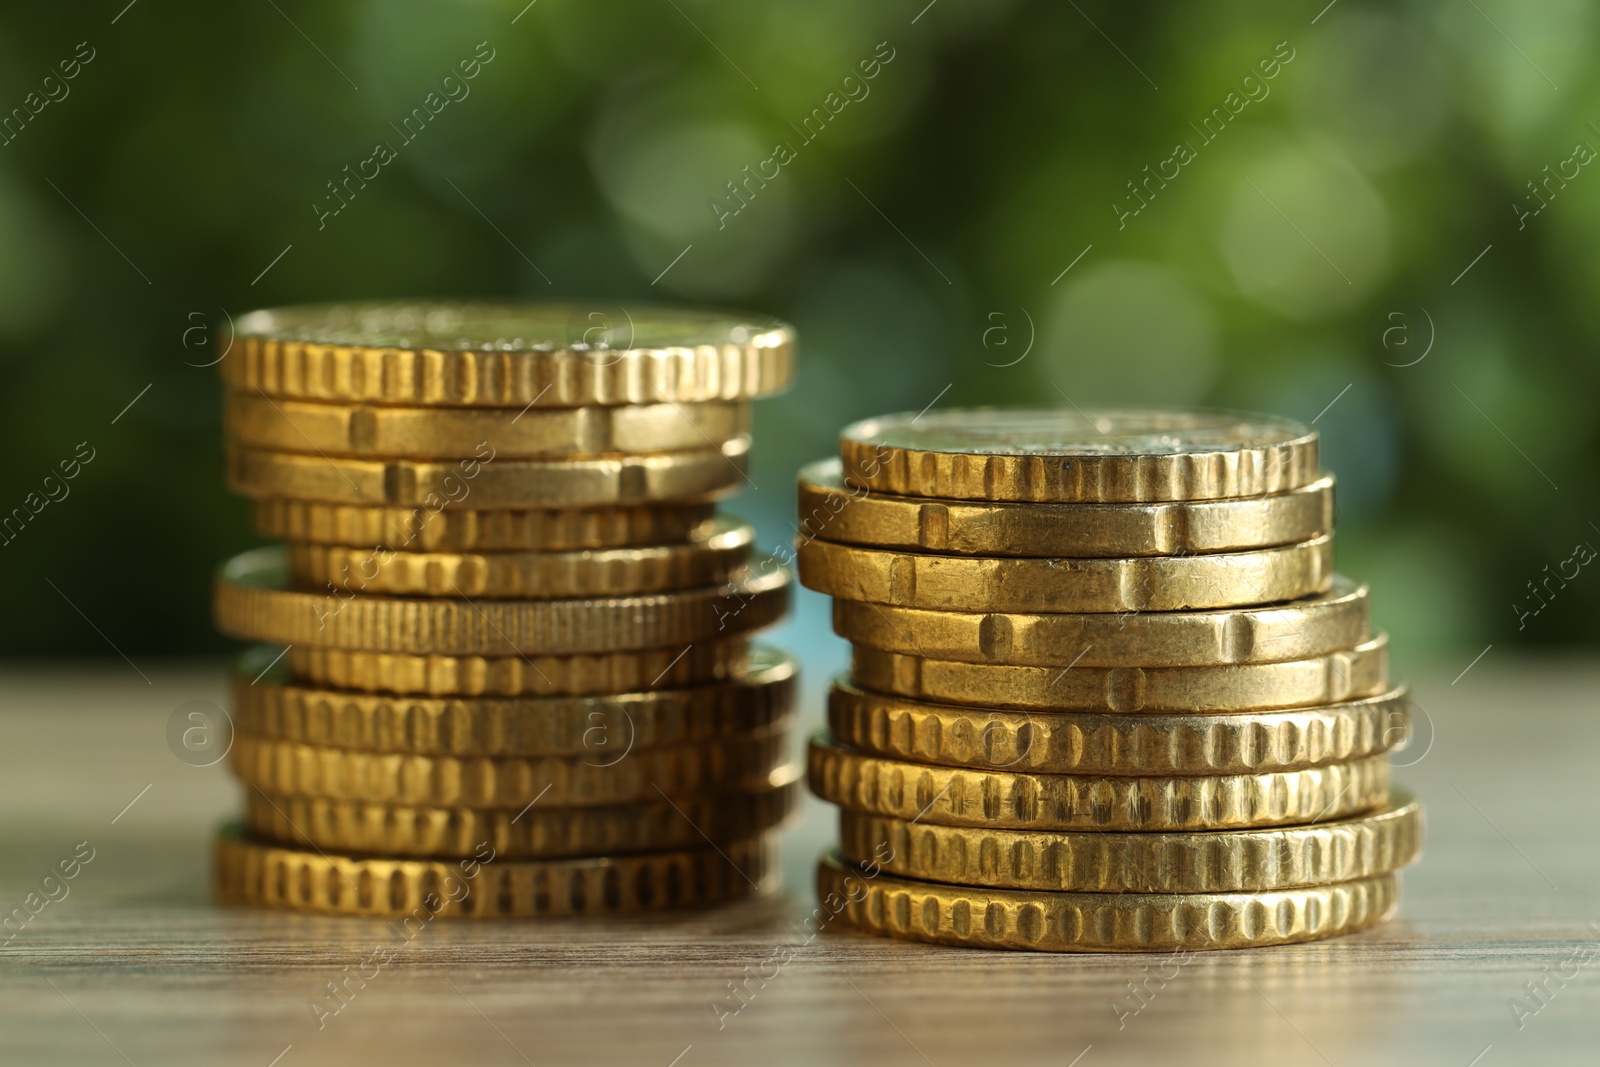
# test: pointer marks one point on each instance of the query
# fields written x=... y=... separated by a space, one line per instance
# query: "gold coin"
x=1055 y=456
x=1101 y=922
x=1331 y=679
x=487 y=886
x=1085 y=742
x=464 y=530
x=288 y=768
x=742 y=810
x=955 y=796
x=488 y=481
x=257 y=421
x=711 y=557
x=1210 y=861
x=508 y=355
x=833 y=510
x=1318 y=626
x=757 y=695
x=250 y=602
x=1006 y=584
x=516 y=676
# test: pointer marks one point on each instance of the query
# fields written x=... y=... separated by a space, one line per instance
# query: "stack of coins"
x=507 y=668
x=1107 y=693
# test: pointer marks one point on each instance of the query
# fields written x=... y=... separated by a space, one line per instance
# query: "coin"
x=251 y=603
x=1339 y=676
x=602 y=728
x=516 y=676
x=833 y=510
x=257 y=421
x=1070 y=457
x=1101 y=922
x=1143 y=583
x=743 y=810
x=1209 y=861
x=954 y=796
x=486 y=886
x=711 y=557
x=1083 y=742
x=1317 y=626
x=508 y=355
x=423 y=529
x=490 y=482
x=289 y=768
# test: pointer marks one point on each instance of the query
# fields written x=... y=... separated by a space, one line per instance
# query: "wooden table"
x=136 y=964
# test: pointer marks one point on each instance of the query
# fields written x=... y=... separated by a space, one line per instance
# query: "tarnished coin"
x=1101 y=922
x=1206 y=861
x=251 y=602
x=956 y=796
x=508 y=355
x=1010 y=584
x=255 y=420
x=711 y=557
x=1072 y=457
x=1339 y=676
x=833 y=510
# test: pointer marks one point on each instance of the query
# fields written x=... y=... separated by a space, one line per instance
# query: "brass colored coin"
x=1331 y=679
x=1101 y=922
x=508 y=355
x=286 y=768
x=1317 y=626
x=833 y=510
x=487 y=886
x=1086 y=742
x=757 y=695
x=742 y=811
x=255 y=420
x=517 y=676
x=491 y=482
x=1210 y=861
x=954 y=796
x=711 y=557
x=1142 y=583
x=1054 y=456
x=463 y=530
x=250 y=602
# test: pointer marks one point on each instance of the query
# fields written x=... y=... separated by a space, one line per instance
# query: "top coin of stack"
x=1107 y=692
x=504 y=585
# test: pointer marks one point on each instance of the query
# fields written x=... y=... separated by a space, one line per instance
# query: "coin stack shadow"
x=1107 y=693
x=507 y=667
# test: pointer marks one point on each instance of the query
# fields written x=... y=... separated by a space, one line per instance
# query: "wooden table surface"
x=136 y=964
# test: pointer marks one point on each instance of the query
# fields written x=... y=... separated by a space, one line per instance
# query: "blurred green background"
x=1351 y=238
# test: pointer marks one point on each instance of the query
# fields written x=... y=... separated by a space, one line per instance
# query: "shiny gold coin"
x=743 y=810
x=251 y=602
x=711 y=557
x=486 y=885
x=757 y=694
x=287 y=768
x=255 y=420
x=1144 y=583
x=517 y=676
x=1101 y=922
x=489 y=481
x=954 y=796
x=1057 y=456
x=464 y=530
x=1317 y=626
x=508 y=355
x=1212 y=861
x=1331 y=679
x=833 y=510
x=1085 y=742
